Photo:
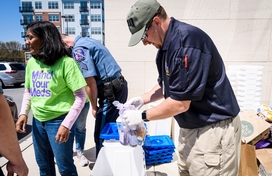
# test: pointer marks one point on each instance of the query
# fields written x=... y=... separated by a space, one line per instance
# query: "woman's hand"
x=62 y=135
x=21 y=124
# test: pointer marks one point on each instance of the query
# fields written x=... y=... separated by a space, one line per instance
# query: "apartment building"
x=72 y=17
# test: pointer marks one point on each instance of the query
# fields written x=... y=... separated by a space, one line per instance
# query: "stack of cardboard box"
x=255 y=129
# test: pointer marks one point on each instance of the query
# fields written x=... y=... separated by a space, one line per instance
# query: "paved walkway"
x=167 y=169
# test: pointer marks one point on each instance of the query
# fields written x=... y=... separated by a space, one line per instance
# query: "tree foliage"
x=11 y=51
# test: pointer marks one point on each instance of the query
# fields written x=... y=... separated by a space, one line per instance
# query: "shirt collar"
x=171 y=29
x=76 y=39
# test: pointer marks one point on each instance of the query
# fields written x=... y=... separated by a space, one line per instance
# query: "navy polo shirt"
x=95 y=59
x=191 y=68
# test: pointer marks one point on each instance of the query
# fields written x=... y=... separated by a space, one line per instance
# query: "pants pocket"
x=211 y=159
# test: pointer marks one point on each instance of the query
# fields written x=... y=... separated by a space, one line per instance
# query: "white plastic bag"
x=129 y=135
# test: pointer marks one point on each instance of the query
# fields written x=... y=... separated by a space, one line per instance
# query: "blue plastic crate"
x=159 y=151
x=155 y=157
x=158 y=161
x=110 y=131
x=158 y=142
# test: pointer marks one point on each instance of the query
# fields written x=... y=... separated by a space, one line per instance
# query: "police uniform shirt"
x=95 y=59
x=191 y=68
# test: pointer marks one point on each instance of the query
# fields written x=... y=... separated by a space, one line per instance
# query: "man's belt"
x=118 y=82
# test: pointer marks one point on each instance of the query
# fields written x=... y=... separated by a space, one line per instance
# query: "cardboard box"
x=264 y=156
x=254 y=128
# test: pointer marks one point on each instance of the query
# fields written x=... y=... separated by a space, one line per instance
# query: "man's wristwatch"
x=144 y=116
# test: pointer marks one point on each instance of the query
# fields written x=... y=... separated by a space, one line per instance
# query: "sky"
x=10 y=28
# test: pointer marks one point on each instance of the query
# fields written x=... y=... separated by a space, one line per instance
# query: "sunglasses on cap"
x=144 y=37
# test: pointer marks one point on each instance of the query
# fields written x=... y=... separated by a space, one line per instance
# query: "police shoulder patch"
x=79 y=54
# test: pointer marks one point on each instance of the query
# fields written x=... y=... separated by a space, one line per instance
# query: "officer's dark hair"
x=52 y=48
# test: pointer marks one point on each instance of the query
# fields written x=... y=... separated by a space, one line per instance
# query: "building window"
x=53 y=5
x=39 y=17
x=96 y=30
x=84 y=17
x=83 y=3
x=84 y=20
x=69 y=18
x=38 y=5
x=68 y=5
x=95 y=17
x=26 y=4
x=71 y=30
x=27 y=18
x=27 y=7
x=53 y=18
x=85 y=30
x=95 y=5
x=27 y=56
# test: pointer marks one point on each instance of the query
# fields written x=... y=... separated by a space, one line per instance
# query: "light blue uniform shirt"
x=95 y=59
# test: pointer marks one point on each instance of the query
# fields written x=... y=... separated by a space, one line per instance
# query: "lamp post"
x=66 y=18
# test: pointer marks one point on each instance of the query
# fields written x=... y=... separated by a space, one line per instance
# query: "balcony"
x=26 y=22
x=23 y=34
x=83 y=9
x=84 y=22
x=85 y=34
x=26 y=9
x=25 y=47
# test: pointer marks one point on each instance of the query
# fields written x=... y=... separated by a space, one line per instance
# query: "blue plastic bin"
x=110 y=132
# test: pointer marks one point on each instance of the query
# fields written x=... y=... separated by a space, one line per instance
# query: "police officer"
x=105 y=83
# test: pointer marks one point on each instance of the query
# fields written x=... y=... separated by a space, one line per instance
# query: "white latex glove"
x=138 y=102
x=133 y=117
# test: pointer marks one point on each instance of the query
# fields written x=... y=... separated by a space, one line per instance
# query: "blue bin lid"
x=158 y=142
x=110 y=131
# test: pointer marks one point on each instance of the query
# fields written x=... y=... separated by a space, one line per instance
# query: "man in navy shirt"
x=197 y=92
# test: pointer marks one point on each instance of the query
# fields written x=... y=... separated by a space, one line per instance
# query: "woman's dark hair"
x=52 y=48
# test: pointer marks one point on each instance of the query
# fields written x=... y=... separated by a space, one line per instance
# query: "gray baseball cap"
x=139 y=15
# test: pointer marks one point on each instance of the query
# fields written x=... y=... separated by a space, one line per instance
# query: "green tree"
x=11 y=51
x=3 y=51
